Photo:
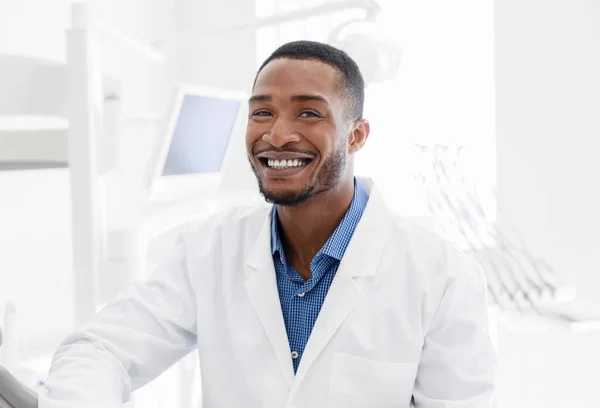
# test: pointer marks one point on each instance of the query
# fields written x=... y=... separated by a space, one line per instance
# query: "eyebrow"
x=308 y=98
x=294 y=98
x=260 y=98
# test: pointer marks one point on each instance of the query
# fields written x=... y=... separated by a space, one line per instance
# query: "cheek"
x=252 y=137
x=321 y=135
x=328 y=144
x=254 y=132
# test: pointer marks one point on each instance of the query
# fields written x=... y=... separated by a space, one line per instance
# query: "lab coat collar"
x=360 y=260
x=336 y=245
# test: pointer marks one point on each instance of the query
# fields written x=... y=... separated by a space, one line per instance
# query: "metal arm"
x=370 y=6
x=160 y=49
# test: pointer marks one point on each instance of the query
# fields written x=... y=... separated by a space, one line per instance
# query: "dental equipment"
x=516 y=278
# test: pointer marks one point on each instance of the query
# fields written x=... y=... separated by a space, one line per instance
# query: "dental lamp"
x=363 y=40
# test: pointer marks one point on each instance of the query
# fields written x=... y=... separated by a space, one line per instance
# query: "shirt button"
x=294 y=355
x=301 y=294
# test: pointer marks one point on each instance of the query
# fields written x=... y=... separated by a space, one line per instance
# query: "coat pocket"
x=359 y=382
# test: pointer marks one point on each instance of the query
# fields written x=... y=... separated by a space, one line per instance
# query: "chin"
x=286 y=184
x=286 y=196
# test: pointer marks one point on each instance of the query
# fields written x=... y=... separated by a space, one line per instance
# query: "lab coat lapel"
x=360 y=260
x=261 y=285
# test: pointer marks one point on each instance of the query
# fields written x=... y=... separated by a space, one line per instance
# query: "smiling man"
x=325 y=299
x=305 y=126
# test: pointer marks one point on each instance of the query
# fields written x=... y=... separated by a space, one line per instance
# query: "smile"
x=283 y=168
x=286 y=164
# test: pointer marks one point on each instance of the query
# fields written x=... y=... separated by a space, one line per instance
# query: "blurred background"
x=484 y=129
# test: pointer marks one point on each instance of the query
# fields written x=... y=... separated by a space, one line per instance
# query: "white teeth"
x=285 y=164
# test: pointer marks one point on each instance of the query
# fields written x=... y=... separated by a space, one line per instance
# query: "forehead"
x=282 y=76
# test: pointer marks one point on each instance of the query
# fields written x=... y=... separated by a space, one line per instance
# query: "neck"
x=307 y=227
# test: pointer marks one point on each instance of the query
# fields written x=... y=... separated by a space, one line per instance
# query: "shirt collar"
x=336 y=245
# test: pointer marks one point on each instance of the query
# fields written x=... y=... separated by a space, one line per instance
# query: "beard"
x=327 y=177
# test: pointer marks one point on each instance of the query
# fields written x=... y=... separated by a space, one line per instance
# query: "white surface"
x=23 y=122
x=544 y=366
x=34 y=145
x=547 y=130
x=35 y=265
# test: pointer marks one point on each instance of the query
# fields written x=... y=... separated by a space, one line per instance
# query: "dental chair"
x=14 y=394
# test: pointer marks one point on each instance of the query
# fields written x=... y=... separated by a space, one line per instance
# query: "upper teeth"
x=285 y=163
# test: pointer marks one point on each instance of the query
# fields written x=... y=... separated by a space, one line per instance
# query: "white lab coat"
x=405 y=318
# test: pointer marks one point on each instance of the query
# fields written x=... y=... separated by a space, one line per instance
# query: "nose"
x=281 y=133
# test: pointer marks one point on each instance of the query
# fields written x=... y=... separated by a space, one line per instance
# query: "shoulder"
x=207 y=229
x=436 y=260
x=241 y=220
x=434 y=268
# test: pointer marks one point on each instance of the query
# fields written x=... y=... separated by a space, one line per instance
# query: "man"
x=324 y=300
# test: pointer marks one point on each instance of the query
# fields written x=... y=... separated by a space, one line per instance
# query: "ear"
x=359 y=132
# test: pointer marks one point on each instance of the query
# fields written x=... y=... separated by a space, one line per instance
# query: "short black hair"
x=352 y=84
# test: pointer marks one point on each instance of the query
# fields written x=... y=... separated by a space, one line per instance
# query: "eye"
x=309 y=114
x=262 y=113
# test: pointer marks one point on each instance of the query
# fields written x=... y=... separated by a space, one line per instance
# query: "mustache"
x=256 y=152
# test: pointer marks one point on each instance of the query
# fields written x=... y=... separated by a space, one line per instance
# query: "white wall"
x=37 y=28
x=35 y=206
x=226 y=60
x=547 y=128
x=443 y=94
x=35 y=257
x=548 y=82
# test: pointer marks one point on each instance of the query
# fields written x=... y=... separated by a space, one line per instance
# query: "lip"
x=272 y=173
x=284 y=156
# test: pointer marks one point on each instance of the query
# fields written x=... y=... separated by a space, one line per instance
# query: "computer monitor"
x=203 y=126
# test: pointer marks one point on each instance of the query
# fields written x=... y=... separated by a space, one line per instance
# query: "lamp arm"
x=182 y=40
x=191 y=37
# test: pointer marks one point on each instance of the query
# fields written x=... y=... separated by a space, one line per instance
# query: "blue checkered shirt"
x=301 y=300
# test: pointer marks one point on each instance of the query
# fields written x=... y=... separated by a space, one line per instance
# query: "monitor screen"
x=201 y=135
